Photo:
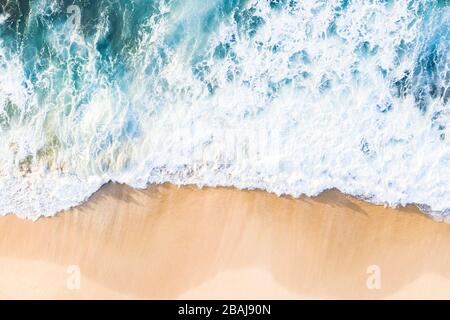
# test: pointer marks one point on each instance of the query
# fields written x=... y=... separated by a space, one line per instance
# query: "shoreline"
x=169 y=242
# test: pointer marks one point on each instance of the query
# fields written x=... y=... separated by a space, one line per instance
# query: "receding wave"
x=293 y=97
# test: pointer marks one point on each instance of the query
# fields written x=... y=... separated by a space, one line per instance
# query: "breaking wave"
x=293 y=97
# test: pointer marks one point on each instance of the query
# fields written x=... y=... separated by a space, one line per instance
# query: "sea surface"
x=293 y=97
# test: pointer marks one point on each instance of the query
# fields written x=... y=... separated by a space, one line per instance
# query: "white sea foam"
x=291 y=106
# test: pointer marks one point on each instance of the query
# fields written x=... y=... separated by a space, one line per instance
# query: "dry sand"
x=168 y=242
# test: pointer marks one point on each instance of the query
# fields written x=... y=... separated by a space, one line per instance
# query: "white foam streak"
x=293 y=111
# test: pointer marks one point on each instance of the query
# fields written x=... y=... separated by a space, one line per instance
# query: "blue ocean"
x=292 y=97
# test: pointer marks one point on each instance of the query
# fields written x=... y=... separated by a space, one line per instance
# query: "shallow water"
x=294 y=97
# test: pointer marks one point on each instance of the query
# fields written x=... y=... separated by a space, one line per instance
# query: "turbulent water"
x=290 y=96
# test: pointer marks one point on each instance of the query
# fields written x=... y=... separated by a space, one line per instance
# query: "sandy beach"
x=170 y=242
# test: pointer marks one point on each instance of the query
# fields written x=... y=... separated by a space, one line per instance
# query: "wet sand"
x=174 y=243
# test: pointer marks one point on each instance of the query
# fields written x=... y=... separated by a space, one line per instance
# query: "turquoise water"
x=294 y=97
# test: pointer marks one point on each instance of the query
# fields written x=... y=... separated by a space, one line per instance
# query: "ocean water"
x=293 y=97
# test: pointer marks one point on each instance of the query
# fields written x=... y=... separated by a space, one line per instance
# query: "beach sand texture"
x=169 y=242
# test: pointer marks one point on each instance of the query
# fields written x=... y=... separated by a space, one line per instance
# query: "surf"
x=286 y=96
